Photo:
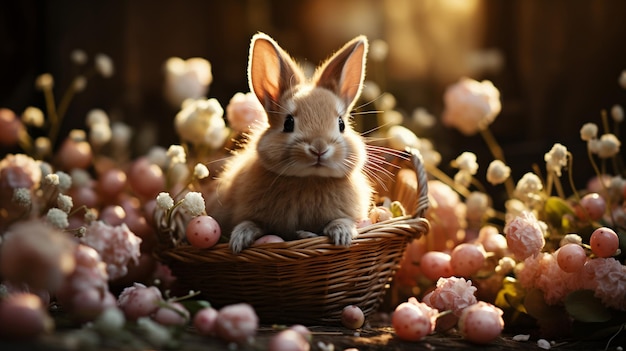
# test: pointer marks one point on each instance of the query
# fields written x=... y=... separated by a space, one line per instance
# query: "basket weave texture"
x=307 y=281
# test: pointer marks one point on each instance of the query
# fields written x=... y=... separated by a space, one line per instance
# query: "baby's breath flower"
x=471 y=106
x=78 y=56
x=378 y=50
x=104 y=65
x=556 y=159
x=65 y=203
x=400 y=138
x=43 y=146
x=51 y=180
x=589 y=131
x=100 y=134
x=176 y=154
x=22 y=197
x=164 y=201
x=617 y=112
x=193 y=203
x=96 y=116
x=423 y=118
x=44 y=81
x=571 y=239
x=467 y=162
x=80 y=177
x=505 y=265
x=200 y=171
x=58 y=218
x=477 y=206
x=498 y=172
x=201 y=122
x=463 y=178
x=158 y=156
x=90 y=215
x=65 y=181
x=121 y=134
x=609 y=145
x=79 y=83
x=33 y=116
x=529 y=188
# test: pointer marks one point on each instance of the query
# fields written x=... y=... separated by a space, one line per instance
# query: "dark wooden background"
x=562 y=58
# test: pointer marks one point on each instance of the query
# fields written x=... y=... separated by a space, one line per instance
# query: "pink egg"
x=203 y=232
x=266 y=239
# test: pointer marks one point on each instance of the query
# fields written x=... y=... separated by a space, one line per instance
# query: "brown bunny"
x=302 y=174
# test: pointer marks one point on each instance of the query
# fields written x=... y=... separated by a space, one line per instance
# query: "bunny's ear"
x=271 y=71
x=343 y=73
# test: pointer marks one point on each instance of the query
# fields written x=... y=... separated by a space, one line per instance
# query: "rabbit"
x=301 y=175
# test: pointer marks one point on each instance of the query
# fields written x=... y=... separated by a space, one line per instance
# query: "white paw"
x=243 y=235
x=341 y=231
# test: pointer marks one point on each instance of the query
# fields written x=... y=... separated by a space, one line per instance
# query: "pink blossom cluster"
x=117 y=246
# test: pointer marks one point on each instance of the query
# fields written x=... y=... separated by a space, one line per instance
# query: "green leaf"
x=584 y=307
x=511 y=295
x=556 y=209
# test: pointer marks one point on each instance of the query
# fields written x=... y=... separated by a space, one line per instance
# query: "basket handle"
x=422 y=182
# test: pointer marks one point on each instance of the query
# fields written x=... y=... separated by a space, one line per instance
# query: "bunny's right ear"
x=271 y=71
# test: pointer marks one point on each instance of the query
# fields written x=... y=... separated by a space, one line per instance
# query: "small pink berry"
x=467 y=259
x=571 y=257
x=604 y=242
x=204 y=321
x=352 y=317
x=288 y=340
x=435 y=265
x=203 y=232
x=594 y=206
x=146 y=179
x=481 y=323
x=413 y=320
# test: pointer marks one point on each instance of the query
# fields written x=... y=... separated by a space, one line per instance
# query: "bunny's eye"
x=342 y=125
x=289 y=124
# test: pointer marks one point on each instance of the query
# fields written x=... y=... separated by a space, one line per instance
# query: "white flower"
x=571 y=239
x=467 y=162
x=200 y=171
x=121 y=134
x=498 y=172
x=79 y=83
x=477 y=205
x=463 y=178
x=471 y=106
x=528 y=188
x=176 y=154
x=58 y=218
x=100 y=134
x=158 y=156
x=65 y=203
x=556 y=159
x=400 y=138
x=96 y=116
x=44 y=81
x=378 y=50
x=186 y=79
x=51 y=179
x=164 y=201
x=423 y=118
x=77 y=135
x=193 y=203
x=78 y=56
x=43 y=146
x=200 y=122
x=617 y=112
x=22 y=197
x=609 y=146
x=33 y=116
x=589 y=131
x=104 y=65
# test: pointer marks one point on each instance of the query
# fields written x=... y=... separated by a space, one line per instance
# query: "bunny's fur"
x=303 y=178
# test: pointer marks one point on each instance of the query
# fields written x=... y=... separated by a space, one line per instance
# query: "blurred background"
x=556 y=63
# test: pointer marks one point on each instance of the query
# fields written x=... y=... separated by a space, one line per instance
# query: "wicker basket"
x=307 y=281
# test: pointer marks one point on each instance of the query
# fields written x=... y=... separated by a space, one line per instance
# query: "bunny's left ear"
x=344 y=72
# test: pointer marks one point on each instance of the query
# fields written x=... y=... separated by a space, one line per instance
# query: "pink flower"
x=116 y=245
x=607 y=277
x=37 y=255
x=451 y=294
x=542 y=272
x=245 y=111
x=446 y=215
x=139 y=300
x=413 y=320
x=471 y=106
x=524 y=235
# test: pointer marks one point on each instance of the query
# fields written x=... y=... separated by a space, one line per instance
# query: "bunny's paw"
x=243 y=235
x=341 y=231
